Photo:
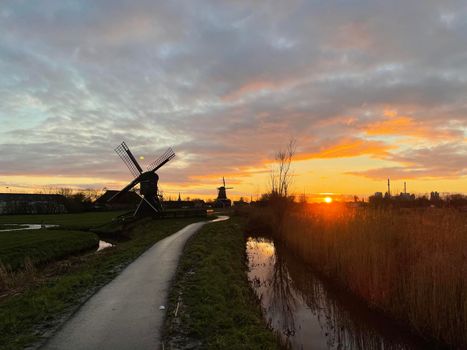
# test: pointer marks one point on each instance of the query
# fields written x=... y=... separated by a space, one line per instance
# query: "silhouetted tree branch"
x=281 y=177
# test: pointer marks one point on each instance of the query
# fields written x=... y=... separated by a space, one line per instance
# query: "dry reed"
x=12 y=281
x=411 y=264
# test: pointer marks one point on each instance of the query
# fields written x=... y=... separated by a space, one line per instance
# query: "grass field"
x=41 y=246
x=217 y=309
x=72 y=221
x=411 y=264
x=58 y=288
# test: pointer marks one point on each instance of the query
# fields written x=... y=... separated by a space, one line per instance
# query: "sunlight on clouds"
x=227 y=85
x=398 y=125
x=350 y=148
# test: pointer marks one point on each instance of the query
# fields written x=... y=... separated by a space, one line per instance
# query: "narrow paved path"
x=125 y=313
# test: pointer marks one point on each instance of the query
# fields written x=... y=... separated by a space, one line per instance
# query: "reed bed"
x=410 y=264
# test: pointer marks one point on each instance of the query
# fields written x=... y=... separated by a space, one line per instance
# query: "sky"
x=368 y=89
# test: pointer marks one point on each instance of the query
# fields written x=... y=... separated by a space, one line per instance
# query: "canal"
x=308 y=313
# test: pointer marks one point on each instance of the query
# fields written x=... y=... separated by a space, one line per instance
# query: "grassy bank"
x=72 y=221
x=57 y=289
x=214 y=305
x=41 y=246
x=411 y=264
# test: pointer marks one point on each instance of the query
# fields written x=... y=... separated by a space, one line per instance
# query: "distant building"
x=405 y=197
x=126 y=201
x=240 y=203
x=22 y=203
x=222 y=203
x=376 y=199
x=181 y=204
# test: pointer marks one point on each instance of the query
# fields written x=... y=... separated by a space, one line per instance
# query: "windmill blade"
x=144 y=199
x=229 y=188
x=125 y=189
x=163 y=159
x=130 y=161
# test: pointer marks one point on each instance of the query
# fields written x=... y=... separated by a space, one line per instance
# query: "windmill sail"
x=163 y=159
x=150 y=203
x=130 y=161
x=125 y=189
x=227 y=188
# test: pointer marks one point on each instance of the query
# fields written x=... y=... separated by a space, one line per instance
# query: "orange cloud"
x=350 y=148
x=249 y=88
x=399 y=125
x=254 y=87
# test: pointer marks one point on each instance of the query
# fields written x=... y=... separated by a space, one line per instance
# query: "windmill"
x=222 y=200
x=148 y=179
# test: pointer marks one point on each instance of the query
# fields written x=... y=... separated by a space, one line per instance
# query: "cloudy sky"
x=369 y=89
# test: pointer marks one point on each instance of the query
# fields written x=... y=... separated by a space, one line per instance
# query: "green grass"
x=218 y=309
x=25 y=317
x=72 y=221
x=42 y=246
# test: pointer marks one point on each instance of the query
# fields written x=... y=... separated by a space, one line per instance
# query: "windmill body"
x=222 y=193
x=222 y=201
x=150 y=202
x=148 y=180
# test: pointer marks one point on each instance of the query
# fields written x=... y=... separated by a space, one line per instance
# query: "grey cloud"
x=226 y=83
x=444 y=161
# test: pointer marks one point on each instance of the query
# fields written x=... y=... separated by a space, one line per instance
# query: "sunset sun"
x=328 y=199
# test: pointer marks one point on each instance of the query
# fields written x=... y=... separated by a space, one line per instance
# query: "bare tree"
x=91 y=194
x=281 y=176
x=64 y=191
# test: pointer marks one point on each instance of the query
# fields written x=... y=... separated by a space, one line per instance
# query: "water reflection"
x=220 y=218
x=308 y=314
x=21 y=227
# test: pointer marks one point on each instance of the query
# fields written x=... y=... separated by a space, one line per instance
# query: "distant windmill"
x=148 y=179
x=222 y=200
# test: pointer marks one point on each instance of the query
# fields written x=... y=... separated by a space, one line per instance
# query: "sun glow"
x=328 y=199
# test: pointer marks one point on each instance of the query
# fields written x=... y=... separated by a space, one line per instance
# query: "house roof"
x=128 y=197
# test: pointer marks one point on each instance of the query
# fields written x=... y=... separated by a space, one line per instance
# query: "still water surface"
x=22 y=227
x=308 y=314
